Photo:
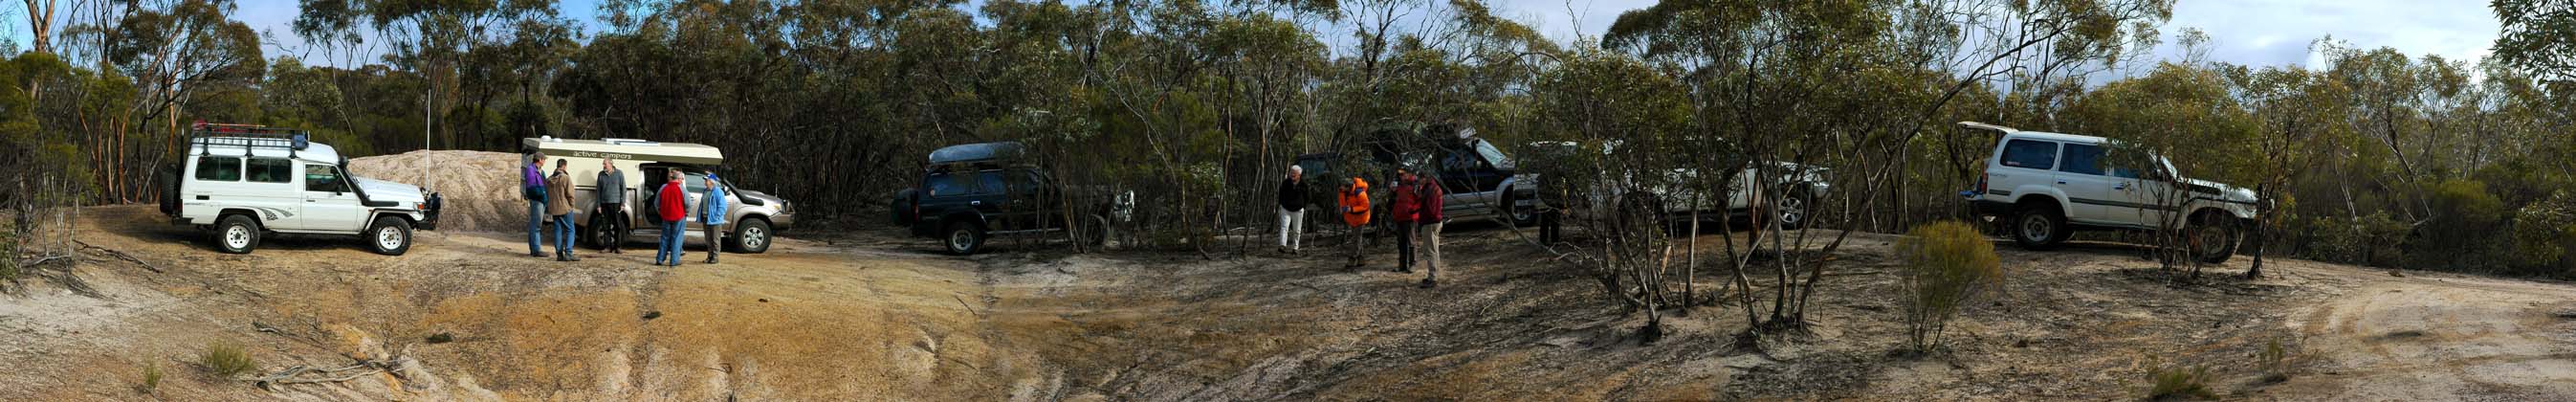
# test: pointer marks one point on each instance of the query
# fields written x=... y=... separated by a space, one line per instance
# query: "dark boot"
x=1427 y=283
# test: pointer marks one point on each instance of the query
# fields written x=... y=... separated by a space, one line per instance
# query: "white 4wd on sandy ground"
x=2045 y=186
x=240 y=183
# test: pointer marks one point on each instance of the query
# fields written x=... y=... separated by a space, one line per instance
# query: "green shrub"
x=225 y=360
x=2274 y=360
x=2464 y=231
x=1945 y=265
x=2542 y=233
x=8 y=252
x=2177 y=382
x=151 y=378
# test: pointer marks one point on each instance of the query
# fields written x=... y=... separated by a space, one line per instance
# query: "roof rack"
x=246 y=136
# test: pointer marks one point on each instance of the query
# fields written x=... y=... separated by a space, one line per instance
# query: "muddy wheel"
x=389 y=236
x=963 y=238
x=2212 y=239
x=2039 y=227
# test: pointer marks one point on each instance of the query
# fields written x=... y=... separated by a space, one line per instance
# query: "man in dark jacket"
x=611 y=213
x=532 y=186
x=1403 y=208
x=1292 y=210
x=1428 y=218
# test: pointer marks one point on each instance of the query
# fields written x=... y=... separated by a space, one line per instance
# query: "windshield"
x=1492 y=155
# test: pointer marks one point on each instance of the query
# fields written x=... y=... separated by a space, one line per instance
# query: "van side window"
x=218 y=168
x=989 y=183
x=271 y=170
x=322 y=178
x=2030 y=154
x=2084 y=159
x=943 y=184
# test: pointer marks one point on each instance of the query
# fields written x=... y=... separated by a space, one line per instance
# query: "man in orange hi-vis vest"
x=1355 y=211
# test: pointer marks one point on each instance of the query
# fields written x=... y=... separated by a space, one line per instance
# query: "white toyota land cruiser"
x=241 y=181
x=2047 y=185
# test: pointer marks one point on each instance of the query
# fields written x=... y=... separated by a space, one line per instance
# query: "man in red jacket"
x=1403 y=207
x=1428 y=218
x=672 y=206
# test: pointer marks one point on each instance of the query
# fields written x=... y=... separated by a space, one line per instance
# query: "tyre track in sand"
x=2438 y=337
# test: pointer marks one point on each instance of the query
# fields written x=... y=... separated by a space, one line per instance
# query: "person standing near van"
x=1428 y=218
x=712 y=213
x=1292 y=210
x=1355 y=212
x=611 y=212
x=672 y=204
x=559 y=206
x=533 y=187
x=1404 y=208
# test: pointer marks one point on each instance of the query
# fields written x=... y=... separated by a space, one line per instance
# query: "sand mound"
x=481 y=188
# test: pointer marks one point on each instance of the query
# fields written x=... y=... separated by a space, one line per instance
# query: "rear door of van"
x=2021 y=162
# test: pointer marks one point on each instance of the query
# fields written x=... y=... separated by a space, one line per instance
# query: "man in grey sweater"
x=612 y=205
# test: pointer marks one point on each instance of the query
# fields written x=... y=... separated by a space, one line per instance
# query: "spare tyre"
x=168 y=177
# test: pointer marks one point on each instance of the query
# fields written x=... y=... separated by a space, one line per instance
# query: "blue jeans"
x=563 y=234
x=536 y=226
x=670 y=245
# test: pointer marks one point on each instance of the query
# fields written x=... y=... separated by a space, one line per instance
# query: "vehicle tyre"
x=962 y=238
x=751 y=237
x=2039 y=227
x=1521 y=216
x=598 y=236
x=1794 y=210
x=236 y=234
x=1096 y=233
x=169 y=176
x=2212 y=239
x=1644 y=215
x=389 y=236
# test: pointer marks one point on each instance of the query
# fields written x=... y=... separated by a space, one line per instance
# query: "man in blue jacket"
x=712 y=213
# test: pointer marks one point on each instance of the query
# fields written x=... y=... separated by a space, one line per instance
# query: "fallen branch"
x=961 y=302
x=121 y=256
x=295 y=375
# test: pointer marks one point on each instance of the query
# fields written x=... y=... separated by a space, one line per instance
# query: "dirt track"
x=872 y=315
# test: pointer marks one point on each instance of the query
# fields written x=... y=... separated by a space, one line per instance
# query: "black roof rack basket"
x=246 y=136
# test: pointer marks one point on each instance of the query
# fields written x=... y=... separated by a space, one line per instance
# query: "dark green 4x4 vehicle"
x=970 y=193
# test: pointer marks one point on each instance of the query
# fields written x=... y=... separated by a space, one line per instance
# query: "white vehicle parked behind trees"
x=2045 y=186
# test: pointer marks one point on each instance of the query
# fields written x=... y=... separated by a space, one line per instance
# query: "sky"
x=2248 y=32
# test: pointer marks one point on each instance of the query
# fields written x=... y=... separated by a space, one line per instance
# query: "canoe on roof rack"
x=984 y=152
x=626 y=149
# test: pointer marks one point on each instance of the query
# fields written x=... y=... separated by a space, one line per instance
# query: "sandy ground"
x=480 y=189
x=870 y=315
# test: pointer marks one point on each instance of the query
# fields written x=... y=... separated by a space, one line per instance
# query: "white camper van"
x=752 y=218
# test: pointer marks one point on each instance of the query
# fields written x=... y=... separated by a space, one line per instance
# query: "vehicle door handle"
x=2061 y=182
x=2120 y=186
x=975 y=203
